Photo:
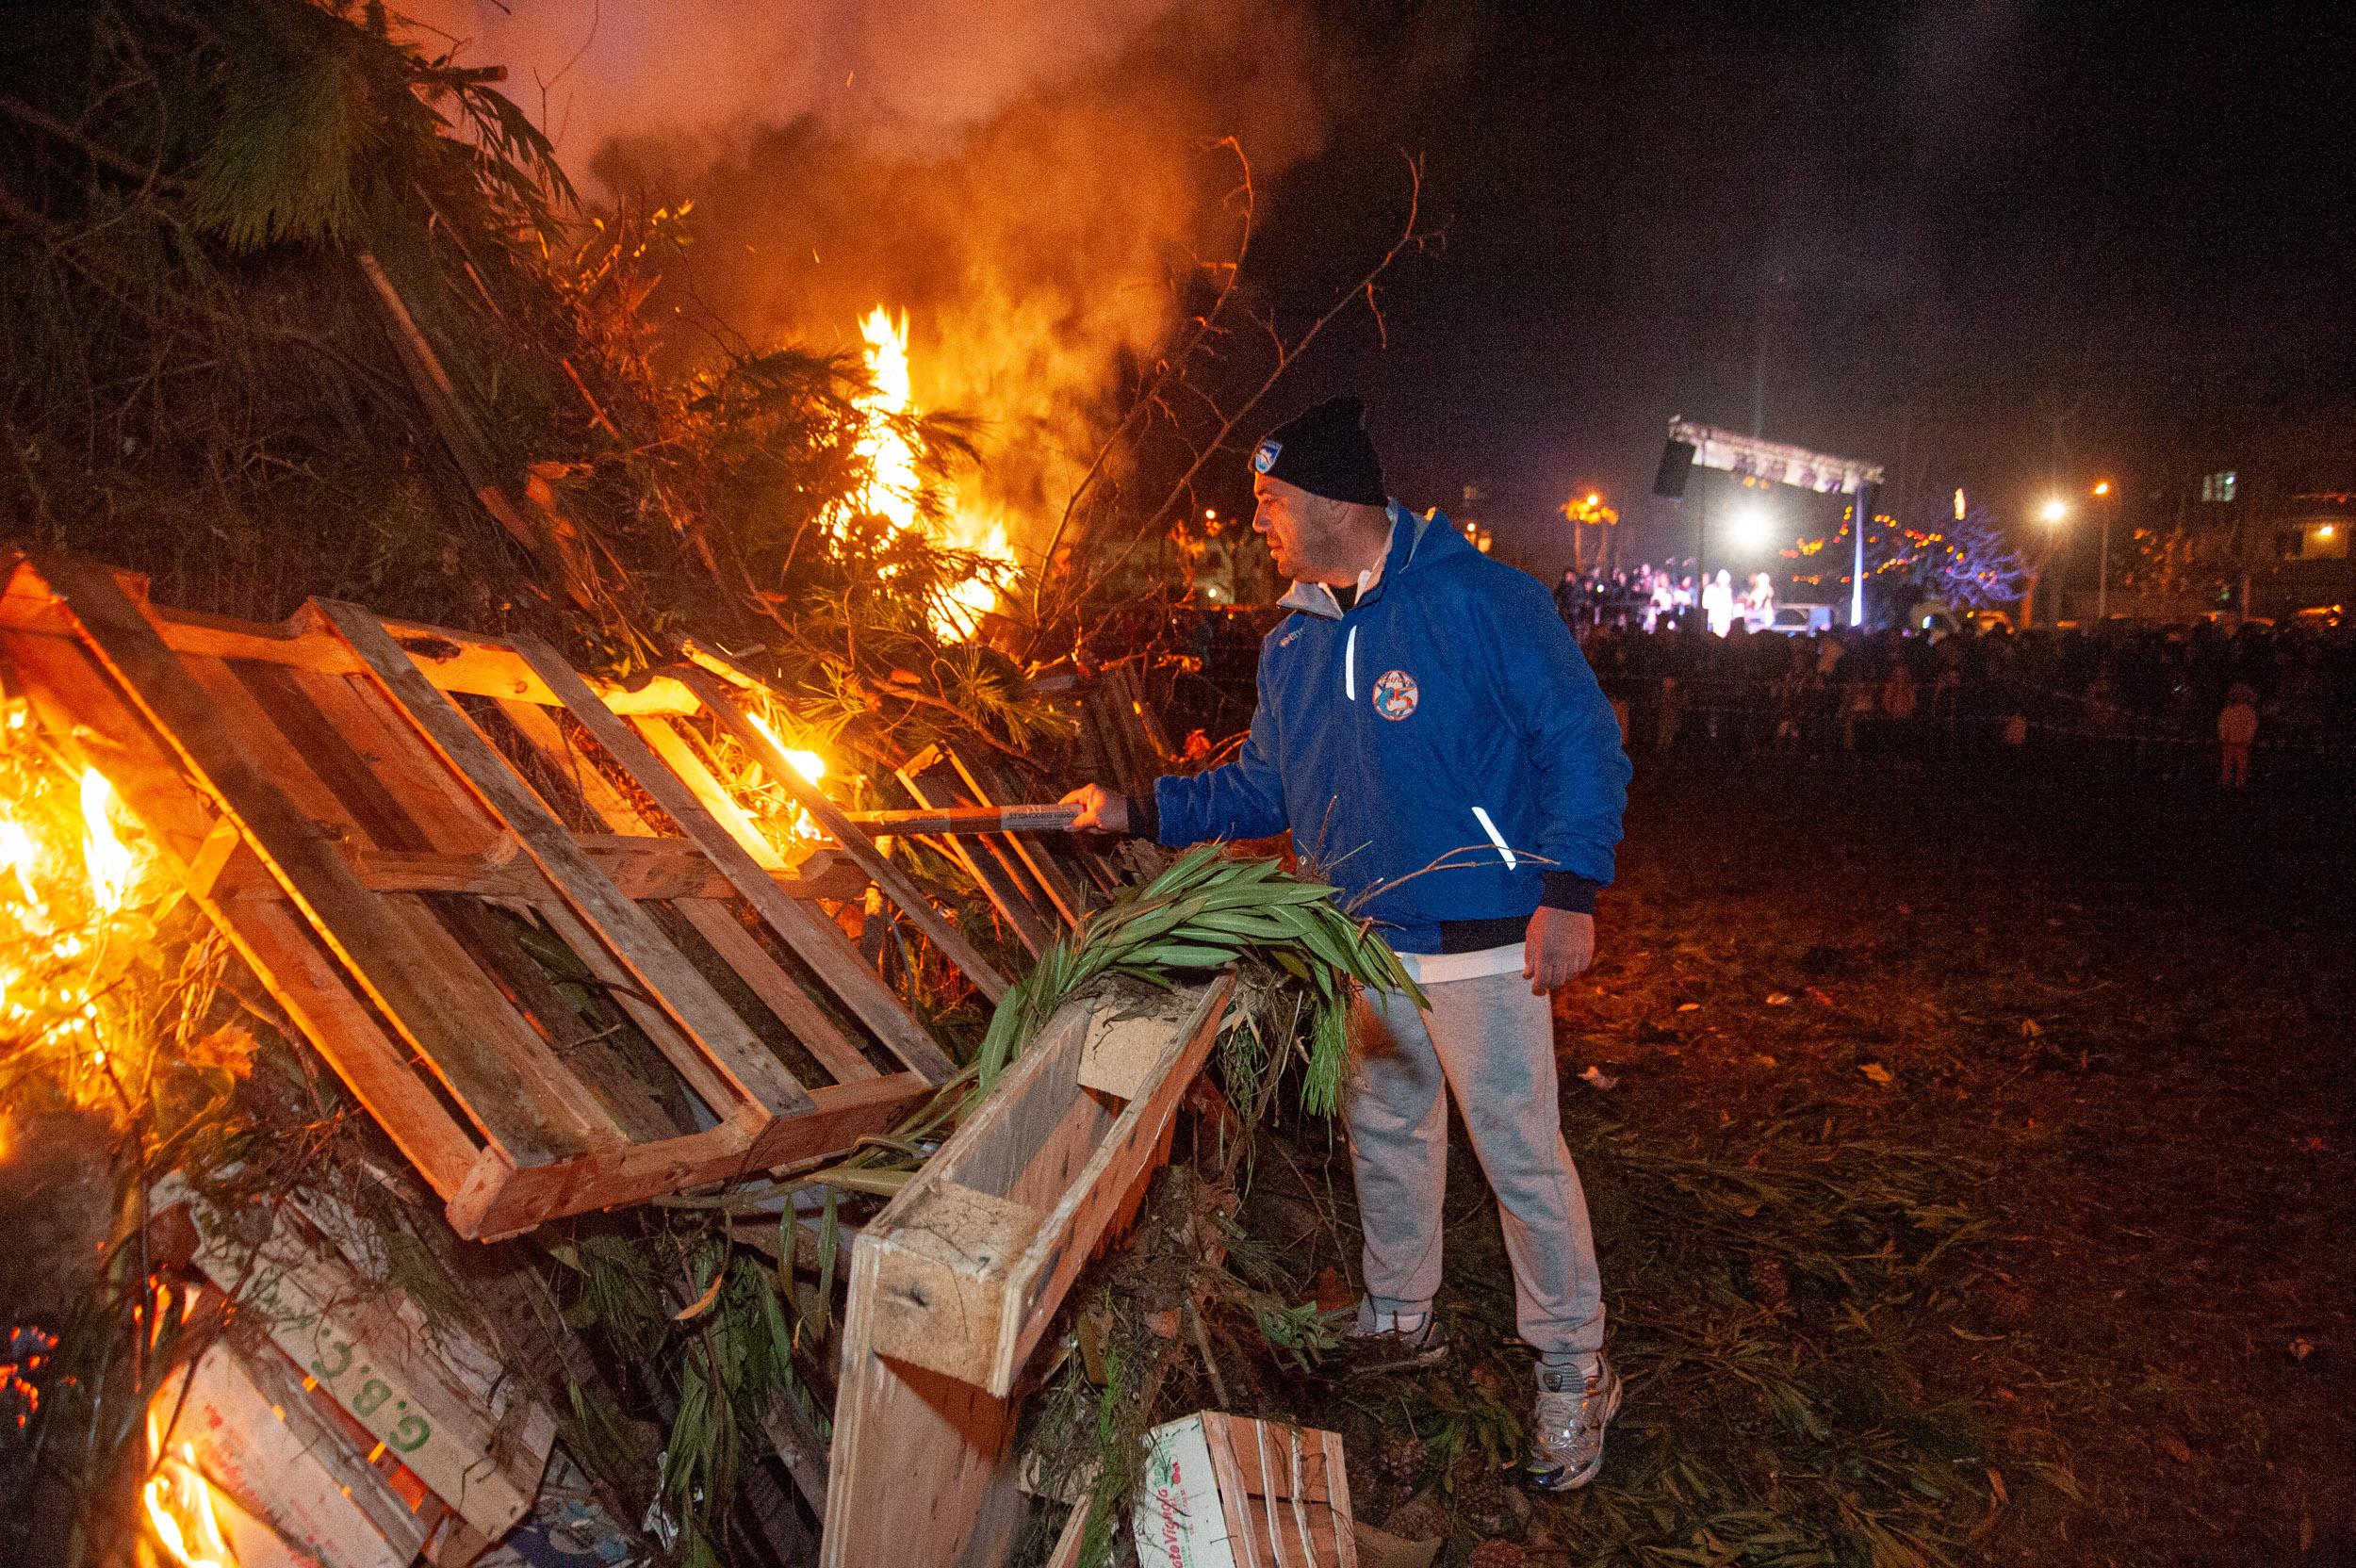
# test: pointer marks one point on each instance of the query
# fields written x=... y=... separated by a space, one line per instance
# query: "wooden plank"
x=632 y=937
x=389 y=747
x=777 y=989
x=359 y=926
x=643 y=869
x=500 y=1201
x=819 y=942
x=894 y=1421
x=454 y=660
x=827 y=815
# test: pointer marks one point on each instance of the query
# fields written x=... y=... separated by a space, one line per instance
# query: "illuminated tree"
x=1587 y=511
x=1969 y=563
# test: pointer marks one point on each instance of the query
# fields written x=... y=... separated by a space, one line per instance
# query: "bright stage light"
x=1752 y=525
x=2056 y=511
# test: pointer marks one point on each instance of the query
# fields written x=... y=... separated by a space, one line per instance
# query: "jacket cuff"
x=1567 y=890
x=1145 y=817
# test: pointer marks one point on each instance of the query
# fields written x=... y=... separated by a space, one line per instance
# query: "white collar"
x=1316 y=599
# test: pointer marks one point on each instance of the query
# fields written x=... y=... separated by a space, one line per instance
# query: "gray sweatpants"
x=1491 y=1043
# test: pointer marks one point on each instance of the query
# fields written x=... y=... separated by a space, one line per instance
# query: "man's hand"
x=1561 y=946
x=1100 y=811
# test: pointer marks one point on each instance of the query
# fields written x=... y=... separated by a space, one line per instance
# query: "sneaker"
x=1377 y=1343
x=1566 y=1430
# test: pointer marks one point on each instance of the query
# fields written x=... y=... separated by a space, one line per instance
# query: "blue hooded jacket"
x=1445 y=720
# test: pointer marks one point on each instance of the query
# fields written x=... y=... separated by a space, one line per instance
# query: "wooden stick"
x=967 y=820
x=829 y=816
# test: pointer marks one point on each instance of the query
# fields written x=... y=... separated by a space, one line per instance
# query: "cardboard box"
x=296 y=1493
x=1226 y=1492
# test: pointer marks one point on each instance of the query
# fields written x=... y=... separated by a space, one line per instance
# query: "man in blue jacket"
x=1436 y=744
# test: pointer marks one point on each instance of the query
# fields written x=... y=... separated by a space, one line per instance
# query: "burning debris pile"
x=327 y=941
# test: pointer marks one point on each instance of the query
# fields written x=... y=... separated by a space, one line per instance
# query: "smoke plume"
x=1025 y=182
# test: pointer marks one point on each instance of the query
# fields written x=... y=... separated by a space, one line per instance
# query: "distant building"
x=2312 y=568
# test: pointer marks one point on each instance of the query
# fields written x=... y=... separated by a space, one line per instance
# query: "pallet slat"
x=632 y=937
x=818 y=942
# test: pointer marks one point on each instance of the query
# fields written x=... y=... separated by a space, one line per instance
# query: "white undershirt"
x=1438 y=969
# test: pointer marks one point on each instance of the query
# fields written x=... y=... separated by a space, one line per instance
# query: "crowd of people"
x=2182 y=699
x=1652 y=597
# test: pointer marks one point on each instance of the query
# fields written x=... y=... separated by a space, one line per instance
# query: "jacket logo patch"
x=1289 y=638
x=1263 y=456
x=1395 y=694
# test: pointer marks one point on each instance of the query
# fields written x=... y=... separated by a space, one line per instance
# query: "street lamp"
x=2102 y=576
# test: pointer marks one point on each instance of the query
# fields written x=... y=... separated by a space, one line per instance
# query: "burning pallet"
x=405 y=829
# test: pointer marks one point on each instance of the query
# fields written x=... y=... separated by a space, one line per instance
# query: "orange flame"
x=808 y=765
x=180 y=1505
x=112 y=866
x=892 y=489
x=69 y=881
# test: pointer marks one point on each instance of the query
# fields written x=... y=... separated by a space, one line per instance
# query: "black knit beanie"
x=1325 y=451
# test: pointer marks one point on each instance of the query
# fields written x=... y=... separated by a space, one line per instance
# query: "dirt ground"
x=1972 y=1161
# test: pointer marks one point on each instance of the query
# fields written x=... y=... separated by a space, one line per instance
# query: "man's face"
x=1302 y=531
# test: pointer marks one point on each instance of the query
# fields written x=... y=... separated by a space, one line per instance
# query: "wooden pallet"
x=953 y=1283
x=516 y=911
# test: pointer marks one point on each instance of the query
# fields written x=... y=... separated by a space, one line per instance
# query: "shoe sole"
x=1595 y=1468
x=1429 y=1356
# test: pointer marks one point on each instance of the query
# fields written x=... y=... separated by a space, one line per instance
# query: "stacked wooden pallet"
x=515 y=910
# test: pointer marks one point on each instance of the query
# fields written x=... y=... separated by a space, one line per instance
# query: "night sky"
x=1975 y=242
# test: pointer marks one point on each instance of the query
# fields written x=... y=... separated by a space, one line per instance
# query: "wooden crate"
x=953 y=1283
x=1226 y=1492
x=402 y=829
